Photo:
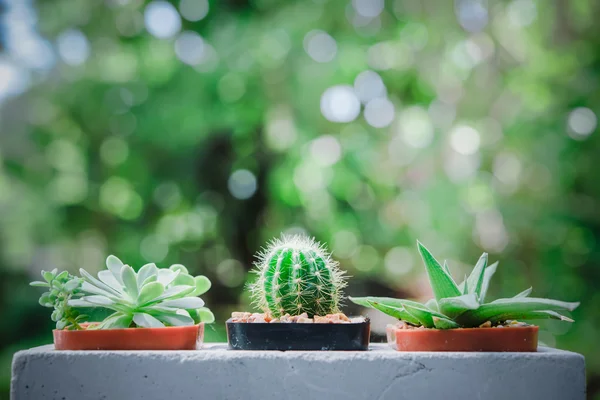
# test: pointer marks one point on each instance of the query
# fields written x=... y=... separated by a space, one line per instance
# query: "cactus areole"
x=297 y=275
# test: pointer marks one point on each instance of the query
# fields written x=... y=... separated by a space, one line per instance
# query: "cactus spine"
x=297 y=275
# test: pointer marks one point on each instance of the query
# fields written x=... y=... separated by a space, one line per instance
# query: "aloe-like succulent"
x=150 y=298
x=463 y=305
x=62 y=288
x=297 y=275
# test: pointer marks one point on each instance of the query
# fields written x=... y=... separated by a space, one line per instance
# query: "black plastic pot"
x=297 y=336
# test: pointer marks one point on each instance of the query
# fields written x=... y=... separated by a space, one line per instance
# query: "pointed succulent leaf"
x=444 y=323
x=454 y=306
x=529 y=315
x=48 y=276
x=398 y=303
x=185 y=302
x=150 y=292
x=109 y=279
x=432 y=304
x=39 y=284
x=425 y=317
x=475 y=279
x=503 y=309
x=202 y=285
x=524 y=293
x=205 y=315
x=114 y=265
x=145 y=272
x=396 y=312
x=487 y=276
x=462 y=287
x=129 y=281
x=445 y=266
x=147 y=321
x=441 y=282
x=179 y=267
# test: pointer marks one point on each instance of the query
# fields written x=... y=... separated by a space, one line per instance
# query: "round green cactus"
x=297 y=275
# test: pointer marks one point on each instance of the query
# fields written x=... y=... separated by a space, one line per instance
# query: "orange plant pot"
x=518 y=339
x=168 y=338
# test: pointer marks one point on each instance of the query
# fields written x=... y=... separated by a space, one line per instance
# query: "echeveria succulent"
x=297 y=275
x=149 y=298
x=463 y=305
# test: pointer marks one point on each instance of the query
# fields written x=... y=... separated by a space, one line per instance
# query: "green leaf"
x=181 y=318
x=153 y=278
x=63 y=275
x=39 y=284
x=150 y=292
x=185 y=302
x=444 y=323
x=432 y=304
x=441 y=282
x=184 y=279
x=524 y=293
x=98 y=300
x=202 y=285
x=146 y=320
x=179 y=267
x=129 y=281
x=72 y=284
x=60 y=325
x=487 y=276
x=48 y=276
x=95 y=284
x=146 y=272
x=425 y=317
x=109 y=279
x=166 y=276
x=206 y=315
x=475 y=280
x=117 y=321
x=176 y=292
x=454 y=306
x=446 y=268
x=506 y=308
x=396 y=312
x=114 y=265
x=81 y=303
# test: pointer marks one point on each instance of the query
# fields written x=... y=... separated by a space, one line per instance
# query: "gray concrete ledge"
x=217 y=373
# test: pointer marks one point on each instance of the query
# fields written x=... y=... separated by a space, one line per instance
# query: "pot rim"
x=464 y=330
x=127 y=329
x=367 y=320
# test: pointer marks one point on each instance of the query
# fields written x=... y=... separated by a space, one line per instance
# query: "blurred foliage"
x=469 y=124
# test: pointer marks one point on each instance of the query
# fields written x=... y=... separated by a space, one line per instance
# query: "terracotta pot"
x=168 y=338
x=518 y=339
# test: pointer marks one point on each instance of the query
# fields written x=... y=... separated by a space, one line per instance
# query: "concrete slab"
x=218 y=373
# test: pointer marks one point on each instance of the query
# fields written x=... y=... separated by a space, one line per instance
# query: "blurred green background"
x=193 y=131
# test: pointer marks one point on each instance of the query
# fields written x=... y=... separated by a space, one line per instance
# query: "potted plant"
x=298 y=288
x=459 y=319
x=152 y=309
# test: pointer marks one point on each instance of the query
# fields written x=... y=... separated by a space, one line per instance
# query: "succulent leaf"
x=441 y=282
x=129 y=281
x=202 y=285
x=114 y=265
x=502 y=309
x=524 y=293
x=186 y=302
x=147 y=321
x=487 y=277
x=150 y=292
x=444 y=323
x=454 y=306
x=205 y=315
x=475 y=279
x=432 y=304
x=147 y=271
x=178 y=267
